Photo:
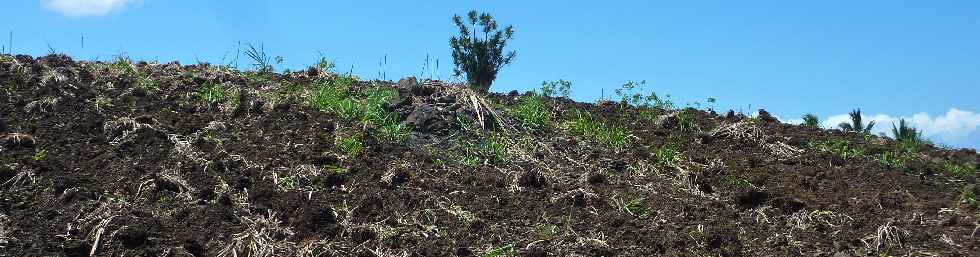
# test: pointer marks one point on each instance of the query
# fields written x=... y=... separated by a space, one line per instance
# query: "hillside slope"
x=139 y=159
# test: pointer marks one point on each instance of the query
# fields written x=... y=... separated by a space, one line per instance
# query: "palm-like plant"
x=480 y=58
x=905 y=132
x=857 y=124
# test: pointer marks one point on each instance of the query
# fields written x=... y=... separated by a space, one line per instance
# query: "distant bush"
x=905 y=132
x=810 y=120
x=480 y=58
x=557 y=88
x=857 y=125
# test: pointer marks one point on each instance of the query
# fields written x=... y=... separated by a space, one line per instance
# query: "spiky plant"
x=857 y=124
x=480 y=58
x=905 y=132
x=810 y=120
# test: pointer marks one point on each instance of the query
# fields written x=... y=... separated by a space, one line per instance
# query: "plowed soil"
x=95 y=162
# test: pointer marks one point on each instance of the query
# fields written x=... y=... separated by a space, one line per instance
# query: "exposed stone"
x=765 y=117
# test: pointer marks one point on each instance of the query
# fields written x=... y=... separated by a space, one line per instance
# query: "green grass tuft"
x=351 y=145
x=211 y=93
x=589 y=128
x=531 y=111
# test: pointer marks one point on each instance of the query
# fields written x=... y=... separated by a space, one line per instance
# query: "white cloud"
x=956 y=127
x=82 y=8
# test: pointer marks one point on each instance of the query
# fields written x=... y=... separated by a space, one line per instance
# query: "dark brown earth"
x=93 y=163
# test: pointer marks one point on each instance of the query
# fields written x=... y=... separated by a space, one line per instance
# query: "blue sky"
x=914 y=59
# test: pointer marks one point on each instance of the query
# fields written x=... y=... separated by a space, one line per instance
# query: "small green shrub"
x=735 y=181
x=960 y=170
x=393 y=132
x=811 y=120
x=490 y=147
x=211 y=93
x=685 y=120
x=507 y=250
x=906 y=134
x=968 y=195
x=39 y=155
x=480 y=58
x=857 y=125
x=334 y=95
x=559 y=88
x=636 y=208
x=531 y=111
x=351 y=145
x=666 y=157
x=838 y=147
x=145 y=82
x=121 y=66
x=631 y=94
x=891 y=160
x=589 y=128
x=288 y=183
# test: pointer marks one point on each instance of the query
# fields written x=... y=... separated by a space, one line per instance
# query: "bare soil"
x=93 y=163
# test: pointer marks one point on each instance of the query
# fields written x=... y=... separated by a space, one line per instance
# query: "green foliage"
x=488 y=147
x=904 y=132
x=735 y=181
x=261 y=62
x=480 y=58
x=288 y=183
x=811 y=120
x=589 y=128
x=636 y=208
x=393 y=132
x=146 y=83
x=325 y=65
x=39 y=155
x=838 y=147
x=631 y=94
x=685 y=120
x=891 y=160
x=857 y=124
x=507 y=250
x=968 y=195
x=531 y=111
x=960 y=170
x=351 y=145
x=334 y=95
x=666 y=157
x=212 y=93
x=121 y=65
x=559 y=88
x=337 y=169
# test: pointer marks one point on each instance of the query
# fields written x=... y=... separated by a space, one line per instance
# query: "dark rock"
x=397 y=102
x=730 y=114
x=316 y=219
x=751 y=199
x=426 y=119
x=408 y=83
x=788 y=204
x=74 y=247
x=513 y=93
x=132 y=237
x=312 y=72
x=532 y=179
x=195 y=248
x=595 y=178
x=765 y=117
